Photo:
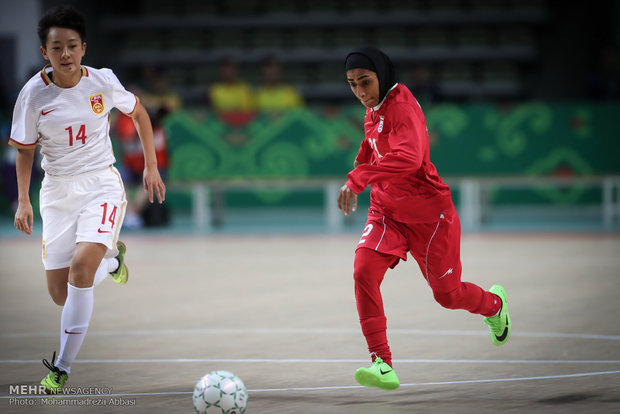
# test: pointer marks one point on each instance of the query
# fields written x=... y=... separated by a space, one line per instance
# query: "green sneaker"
x=379 y=375
x=55 y=379
x=499 y=325
x=121 y=274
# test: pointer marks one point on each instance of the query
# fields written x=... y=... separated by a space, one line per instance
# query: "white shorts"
x=88 y=207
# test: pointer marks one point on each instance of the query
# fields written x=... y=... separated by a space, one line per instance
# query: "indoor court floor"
x=279 y=311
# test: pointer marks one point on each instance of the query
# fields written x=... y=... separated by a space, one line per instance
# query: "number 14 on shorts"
x=108 y=217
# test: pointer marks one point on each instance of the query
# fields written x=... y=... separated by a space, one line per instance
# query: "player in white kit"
x=65 y=109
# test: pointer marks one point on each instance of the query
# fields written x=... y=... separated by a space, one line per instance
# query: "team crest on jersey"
x=96 y=104
x=380 y=124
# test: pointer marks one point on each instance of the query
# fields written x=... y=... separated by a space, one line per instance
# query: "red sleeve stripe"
x=18 y=145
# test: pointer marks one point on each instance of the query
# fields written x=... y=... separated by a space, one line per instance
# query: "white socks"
x=105 y=267
x=76 y=315
x=74 y=323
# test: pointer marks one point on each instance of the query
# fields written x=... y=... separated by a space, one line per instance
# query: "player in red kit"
x=411 y=210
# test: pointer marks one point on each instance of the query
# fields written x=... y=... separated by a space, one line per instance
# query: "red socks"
x=369 y=269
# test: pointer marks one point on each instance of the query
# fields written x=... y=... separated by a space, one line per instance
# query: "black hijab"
x=371 y=58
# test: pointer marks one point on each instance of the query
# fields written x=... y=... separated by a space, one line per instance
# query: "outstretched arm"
x=23 y=166
x=152 y=180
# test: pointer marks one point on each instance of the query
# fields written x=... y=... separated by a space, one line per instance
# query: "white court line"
x=308 y=331
x=419 y=384
x=316 y=361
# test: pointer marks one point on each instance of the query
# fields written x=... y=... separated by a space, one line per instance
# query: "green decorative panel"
x=294 y=144
x=535 y=138
x=528 y=139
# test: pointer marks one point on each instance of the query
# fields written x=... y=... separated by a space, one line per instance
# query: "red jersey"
x=395 y=161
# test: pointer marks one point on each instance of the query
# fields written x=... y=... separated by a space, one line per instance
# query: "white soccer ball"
x=220 y=392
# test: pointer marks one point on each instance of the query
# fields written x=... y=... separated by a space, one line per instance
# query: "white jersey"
x=72 y=125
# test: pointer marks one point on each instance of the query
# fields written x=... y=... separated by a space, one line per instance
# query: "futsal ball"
x=220 y=392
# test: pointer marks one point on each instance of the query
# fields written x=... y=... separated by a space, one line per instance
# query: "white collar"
x=376 y=108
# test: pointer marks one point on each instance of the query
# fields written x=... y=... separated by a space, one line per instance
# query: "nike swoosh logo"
x=504 y=334
x=103 y=231
x=45 y=113
x=72 y=333
x=385 y=372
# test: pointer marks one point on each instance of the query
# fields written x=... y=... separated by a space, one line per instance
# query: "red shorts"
x=435 y=246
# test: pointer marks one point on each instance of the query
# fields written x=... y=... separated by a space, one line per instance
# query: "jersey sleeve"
x=123 y=100
x=407 y=139
x=24 y=133
x=364 y=153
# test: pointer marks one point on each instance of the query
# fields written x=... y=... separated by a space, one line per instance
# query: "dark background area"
x=473 y=50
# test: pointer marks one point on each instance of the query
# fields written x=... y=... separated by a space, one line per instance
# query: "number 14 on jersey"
x=81 y=135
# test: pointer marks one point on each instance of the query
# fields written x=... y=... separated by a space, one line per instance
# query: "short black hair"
x=62 y=16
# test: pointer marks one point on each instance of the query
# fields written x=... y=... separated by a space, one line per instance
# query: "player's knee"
x=449 y=300
x=365 y=274
x=360 y=273
x=368 y=263
x=81 y=275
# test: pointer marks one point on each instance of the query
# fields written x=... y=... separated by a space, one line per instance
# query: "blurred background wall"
x=241 y=90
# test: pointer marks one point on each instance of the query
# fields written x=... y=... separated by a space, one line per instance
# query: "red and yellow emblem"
x=96 y=104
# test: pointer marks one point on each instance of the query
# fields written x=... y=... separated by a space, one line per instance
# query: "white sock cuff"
x=76 y=289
